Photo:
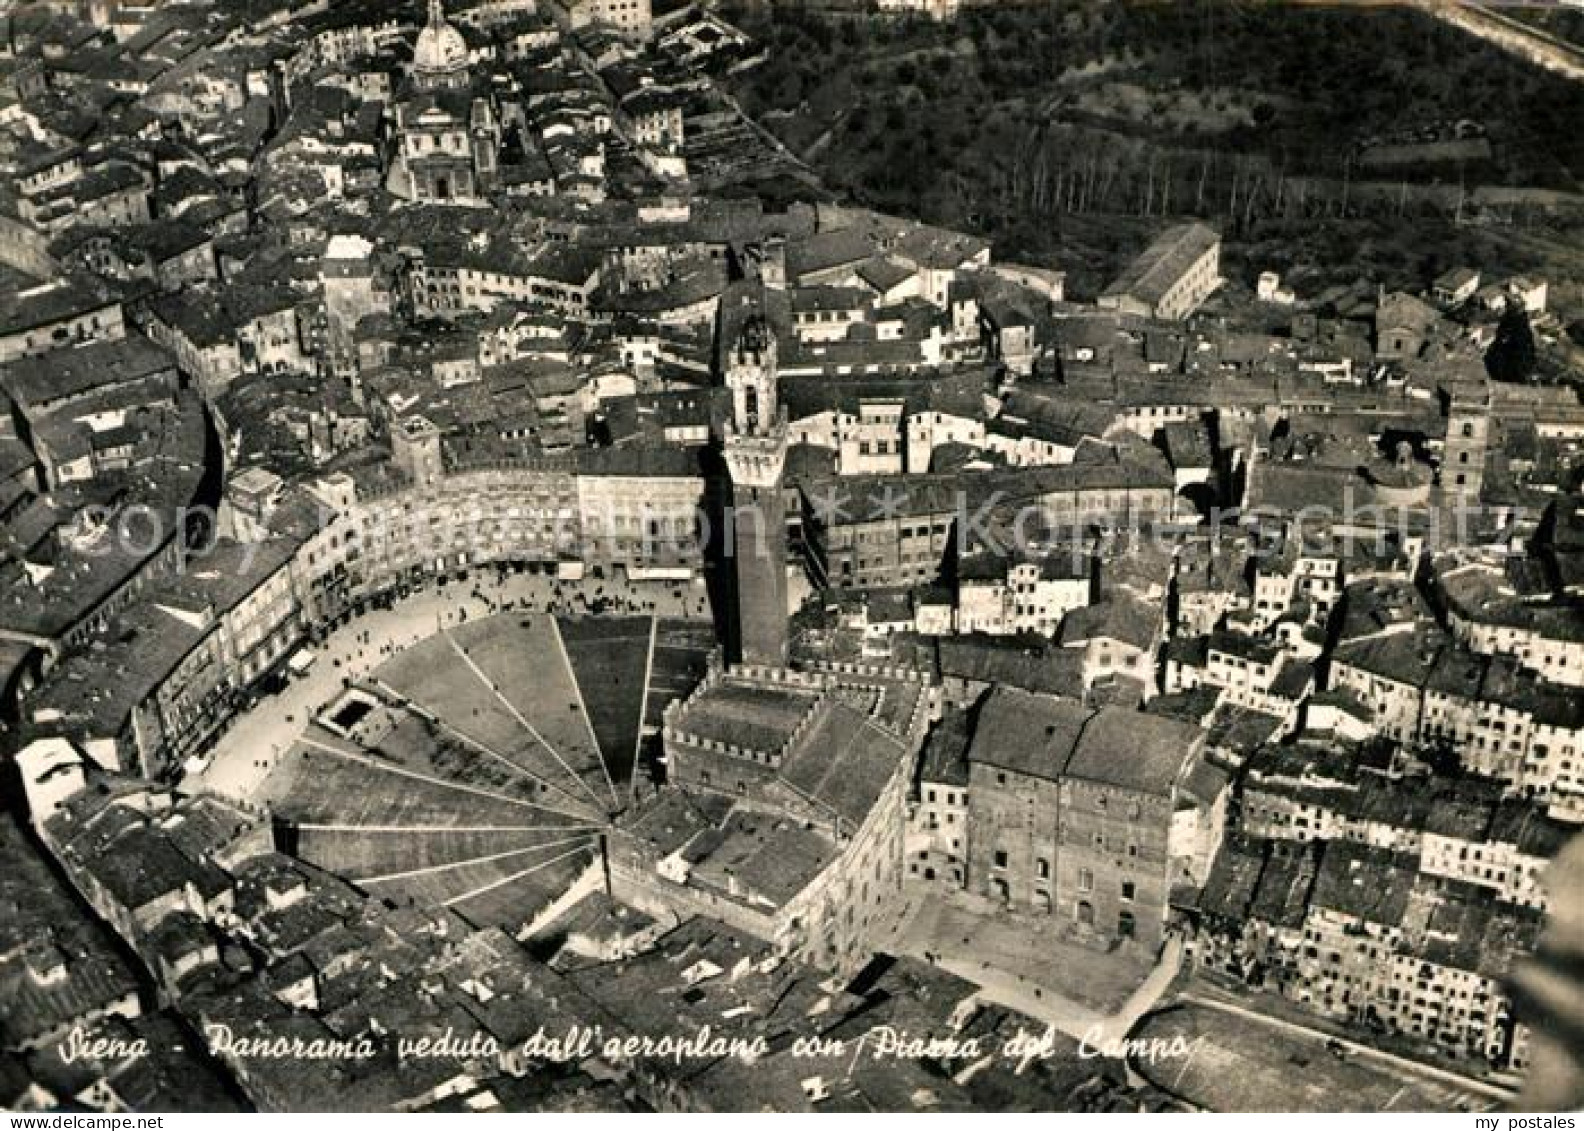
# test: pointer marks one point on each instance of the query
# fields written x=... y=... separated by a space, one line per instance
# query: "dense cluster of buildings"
x=1092 y=816
x=1175 y=614
x=309 y=992
x=1358 y=933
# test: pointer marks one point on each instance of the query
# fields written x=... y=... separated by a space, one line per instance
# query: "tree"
x=1441 y=755
x=1511 y=356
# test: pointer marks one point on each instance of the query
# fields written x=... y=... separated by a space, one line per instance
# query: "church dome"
x=441 y=48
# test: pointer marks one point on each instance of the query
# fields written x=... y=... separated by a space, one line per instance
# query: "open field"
x=1564 y=24
x=359 y=854
x=523 y=662
x=457 y=760
x=1305 y=84
x=484 y=788
x=315 y=785
x=512 y=904
x=681 y=655
x=1025 y=957
x=610 y=658
x=431 y=747
x=499 y=709
x=473 y=736
x=430 y=676
x=454 y=883
x=1238 y=1064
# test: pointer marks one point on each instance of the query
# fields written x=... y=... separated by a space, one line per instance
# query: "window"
x=1085 y=880
x=1127 y=889
x=1000 y=859
x=1042 y=868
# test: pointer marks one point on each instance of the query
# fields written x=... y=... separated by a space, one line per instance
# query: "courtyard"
x=1024 y=963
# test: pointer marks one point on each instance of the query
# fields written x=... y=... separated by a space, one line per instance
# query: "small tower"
x=1467 y=439
x=772 y=267
x=485 y=139
x=755 y=452
x=415 y=449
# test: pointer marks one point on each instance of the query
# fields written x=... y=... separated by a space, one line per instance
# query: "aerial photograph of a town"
x=671 y=556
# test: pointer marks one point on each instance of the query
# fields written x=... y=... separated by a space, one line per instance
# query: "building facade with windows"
x=1084 y=815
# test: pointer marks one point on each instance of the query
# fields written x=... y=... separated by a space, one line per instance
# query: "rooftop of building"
x=944 y=760
x=1134 y=750
x=1408 y=657
x=844 y=762
x=68 y=969
x=759 y=858
x=1122 y=617
x=1060 y=739
x=1158 y=268
x=1032 y=663
x=1027 y=733
x=67 y=373
x=745 y=714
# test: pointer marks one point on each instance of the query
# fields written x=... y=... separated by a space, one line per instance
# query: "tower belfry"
x=751 y=377
x=1467 y=439
x=755 y=452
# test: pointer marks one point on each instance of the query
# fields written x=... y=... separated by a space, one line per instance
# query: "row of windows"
x=826 y=316
x=1086 y=880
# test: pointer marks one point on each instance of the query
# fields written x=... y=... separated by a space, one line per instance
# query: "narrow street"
x=1086 y=993
x=1401 y=1063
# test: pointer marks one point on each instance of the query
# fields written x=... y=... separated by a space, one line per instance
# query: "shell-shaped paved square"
x=477 y=769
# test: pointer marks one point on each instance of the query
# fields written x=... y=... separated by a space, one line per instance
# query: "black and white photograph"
x=589 y=557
